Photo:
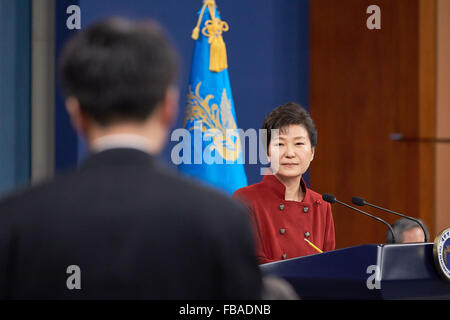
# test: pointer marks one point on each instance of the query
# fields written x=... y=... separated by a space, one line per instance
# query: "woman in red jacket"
x=284 y=212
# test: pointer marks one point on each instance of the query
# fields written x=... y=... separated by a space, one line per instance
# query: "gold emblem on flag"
x=217 y=123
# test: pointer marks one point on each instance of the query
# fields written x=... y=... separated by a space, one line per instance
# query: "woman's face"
x=290 y=152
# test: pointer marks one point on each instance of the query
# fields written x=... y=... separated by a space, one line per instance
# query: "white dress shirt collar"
x=118 y=141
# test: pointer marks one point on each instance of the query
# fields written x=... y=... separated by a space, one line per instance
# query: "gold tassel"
x=196 y=30
x=213 y=30
x=217 y=54
x=195 y=33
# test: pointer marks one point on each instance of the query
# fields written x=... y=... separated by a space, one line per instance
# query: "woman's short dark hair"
x=287 y=114
x=119 y=69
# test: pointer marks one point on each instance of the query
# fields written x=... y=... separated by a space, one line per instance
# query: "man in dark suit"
x=121 y=226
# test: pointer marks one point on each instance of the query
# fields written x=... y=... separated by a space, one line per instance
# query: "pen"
x=312 y=245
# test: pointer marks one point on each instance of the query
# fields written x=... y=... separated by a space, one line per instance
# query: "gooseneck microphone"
x=332 y=199
x=361 y=202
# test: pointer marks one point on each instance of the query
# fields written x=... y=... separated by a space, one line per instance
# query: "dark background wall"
x=267 y=46
x=15 y=95
x=66 y=142
x=365 y=86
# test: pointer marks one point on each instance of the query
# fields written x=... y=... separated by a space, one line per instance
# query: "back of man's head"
x=402 y=226
x=119 y=70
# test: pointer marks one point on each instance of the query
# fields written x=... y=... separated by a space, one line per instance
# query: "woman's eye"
x=299 y=143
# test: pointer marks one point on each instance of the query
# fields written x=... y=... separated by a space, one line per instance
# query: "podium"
x=400 y=271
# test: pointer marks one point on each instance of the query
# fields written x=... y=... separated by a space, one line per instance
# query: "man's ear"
x=78 y=120
x=313 y=151
x=169 y=107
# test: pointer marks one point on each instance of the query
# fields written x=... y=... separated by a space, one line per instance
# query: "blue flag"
x=210 y=117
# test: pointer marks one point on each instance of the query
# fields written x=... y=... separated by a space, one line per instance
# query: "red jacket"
x=281 y=225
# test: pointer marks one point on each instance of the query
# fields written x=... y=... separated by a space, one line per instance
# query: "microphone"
x=332 y=199
x=361 y=202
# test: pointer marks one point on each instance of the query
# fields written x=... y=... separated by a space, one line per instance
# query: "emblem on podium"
x=441 y=253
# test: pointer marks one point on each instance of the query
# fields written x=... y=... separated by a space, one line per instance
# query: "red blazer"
x=281 y=226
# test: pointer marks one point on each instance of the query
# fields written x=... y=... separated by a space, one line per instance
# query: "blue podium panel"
x=408 y=272
x=400 y=271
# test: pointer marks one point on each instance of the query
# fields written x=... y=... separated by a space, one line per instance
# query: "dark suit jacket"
x=135 y=230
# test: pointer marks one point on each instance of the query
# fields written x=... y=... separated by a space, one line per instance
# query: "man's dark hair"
x=402 y=225
x=119 y=69
x=287 y=114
